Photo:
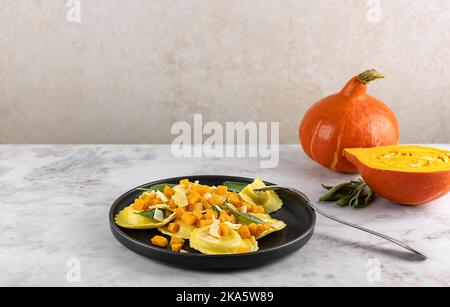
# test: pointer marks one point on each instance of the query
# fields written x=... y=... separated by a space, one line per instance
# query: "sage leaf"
x=356 y=194
x=235 y=186
x=151 y=213
x=327 y=187
x=245 y=218
x=329 y=196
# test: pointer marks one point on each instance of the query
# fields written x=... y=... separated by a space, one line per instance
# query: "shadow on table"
x=392 y=250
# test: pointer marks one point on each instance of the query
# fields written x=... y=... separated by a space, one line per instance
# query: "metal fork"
x=314 y=207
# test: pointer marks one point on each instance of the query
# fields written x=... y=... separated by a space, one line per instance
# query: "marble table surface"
x=54 y=202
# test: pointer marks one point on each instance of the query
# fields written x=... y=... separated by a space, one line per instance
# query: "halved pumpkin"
x=410 y=175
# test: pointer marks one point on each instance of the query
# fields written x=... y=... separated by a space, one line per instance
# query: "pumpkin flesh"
x=410 y=175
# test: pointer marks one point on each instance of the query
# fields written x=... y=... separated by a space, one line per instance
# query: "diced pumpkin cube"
x=205 y=222
x=222 y=190
x=195 y=187
x=205 y=189
x=179 y=212
x=147 y=195
x=233 y=198
x=150 y=201
x=189 y=219
x=258 y=209
x=198 y=214
x=224 y=229
x=216 y=200
x=224 y=216
x=173 y=227
x=249 y=207
x=253 y=227
x=193 y=197
x=205 y=203
x=176 y=247
x=267 y=225
x=210 y=213
x=185 y=183
x=140 y=204
x=168 y=192
x=244 y=232
x=200 y=189
x=197 y=206
x=174 y=240
x=159 y=241
x=264 y=227
x=172 y=203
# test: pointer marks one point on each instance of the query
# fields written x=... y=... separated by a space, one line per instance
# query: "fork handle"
x=315 y=208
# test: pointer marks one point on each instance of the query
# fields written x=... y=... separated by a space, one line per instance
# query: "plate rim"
x=118 y=231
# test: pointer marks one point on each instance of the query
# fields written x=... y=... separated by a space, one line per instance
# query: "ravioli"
x=268 y=199
x=184 y=232
x=129 y=218
x=202 y=241
x=275 y=225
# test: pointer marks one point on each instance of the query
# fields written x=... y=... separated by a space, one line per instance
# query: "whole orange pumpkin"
x=347 y=119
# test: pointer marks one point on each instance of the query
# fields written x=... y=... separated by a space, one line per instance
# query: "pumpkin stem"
x=369 y=75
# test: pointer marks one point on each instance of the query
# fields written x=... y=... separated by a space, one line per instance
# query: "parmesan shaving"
x=180 y=199
x=179 y=188
x=233 y=226
x=214 y=228
x=161 y=196
x=159 y=215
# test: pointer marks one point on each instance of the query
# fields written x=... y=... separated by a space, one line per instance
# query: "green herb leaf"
x=333 y=192
x=354 y=194
x=327 y=187
x=343 y=202
x=157 y=187
x=151 y=213
x=244 y=217
x=235 y=186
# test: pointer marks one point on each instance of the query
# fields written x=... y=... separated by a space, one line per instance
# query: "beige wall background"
x=130 y=69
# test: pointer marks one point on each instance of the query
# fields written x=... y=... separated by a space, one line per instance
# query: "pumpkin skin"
x=348 y=119
x=405 y=183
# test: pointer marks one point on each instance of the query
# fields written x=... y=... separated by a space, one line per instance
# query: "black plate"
x=299 y=218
